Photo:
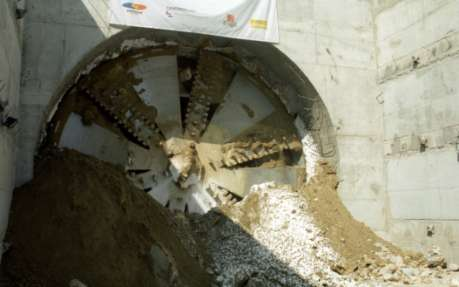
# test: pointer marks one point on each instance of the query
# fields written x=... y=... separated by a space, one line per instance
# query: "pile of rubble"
x=82 y=222
x=275 y=237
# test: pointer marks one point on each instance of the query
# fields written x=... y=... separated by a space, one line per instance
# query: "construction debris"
x=277 y=237
x=88 y=222
x=82 y=218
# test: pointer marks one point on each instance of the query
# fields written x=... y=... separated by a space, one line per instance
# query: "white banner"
x=241 y=19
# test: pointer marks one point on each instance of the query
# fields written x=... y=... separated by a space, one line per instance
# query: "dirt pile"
x=277 y=236
x=81 y=219
x=362 y=255
x=357 y=244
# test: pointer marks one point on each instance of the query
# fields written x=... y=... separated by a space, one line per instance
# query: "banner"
x=240 y=19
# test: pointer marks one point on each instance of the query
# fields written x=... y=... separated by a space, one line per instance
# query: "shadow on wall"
x=57 y=34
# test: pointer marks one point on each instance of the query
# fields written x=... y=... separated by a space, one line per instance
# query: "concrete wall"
x=57 y=34
x=418 y=56
x=331 y=41
x=10 y=69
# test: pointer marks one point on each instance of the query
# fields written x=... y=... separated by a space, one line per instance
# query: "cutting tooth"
x=113 y=91
x=243 y=152
x=263 y=153
x=213 y=77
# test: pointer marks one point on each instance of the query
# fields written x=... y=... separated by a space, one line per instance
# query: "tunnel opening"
x=227 y=115
x=183 y=126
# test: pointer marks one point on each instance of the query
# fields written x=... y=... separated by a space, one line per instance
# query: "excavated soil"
x=357 y=244
x=277 y=236
x=82 y=219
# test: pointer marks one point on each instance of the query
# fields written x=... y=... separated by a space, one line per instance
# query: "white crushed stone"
x=311 y=150
x=284 y=249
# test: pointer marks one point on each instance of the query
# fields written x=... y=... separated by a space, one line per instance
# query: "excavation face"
x=184 y=163
x=193 y=130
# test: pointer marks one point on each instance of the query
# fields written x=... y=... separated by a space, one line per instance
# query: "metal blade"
x=199 y=201
x=153 y=159
x=159 y=87
x=239 y=181
x=94 y=140
x=245 y=105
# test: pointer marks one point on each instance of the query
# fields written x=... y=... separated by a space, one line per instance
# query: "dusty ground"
x=82 y=219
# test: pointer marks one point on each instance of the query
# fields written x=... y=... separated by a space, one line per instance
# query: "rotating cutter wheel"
x=193 y=141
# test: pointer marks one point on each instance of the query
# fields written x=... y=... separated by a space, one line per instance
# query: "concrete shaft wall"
x=418 y=48
x=10 y=69
x=332 y=41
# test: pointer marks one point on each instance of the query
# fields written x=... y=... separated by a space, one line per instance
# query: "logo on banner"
x=230 y=20
x=135 y=7
x=238 y=19
x=259 y=24
x=171 y=11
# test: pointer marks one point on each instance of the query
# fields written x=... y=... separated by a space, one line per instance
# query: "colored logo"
x=259 y=24
x=230 y=20
x=135 y=6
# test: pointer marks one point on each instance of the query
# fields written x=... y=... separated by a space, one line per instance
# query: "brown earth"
x=353 y=240
x=81 y=218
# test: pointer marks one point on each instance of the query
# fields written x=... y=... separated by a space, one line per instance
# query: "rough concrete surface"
x=417 y=53
x=10 y=69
